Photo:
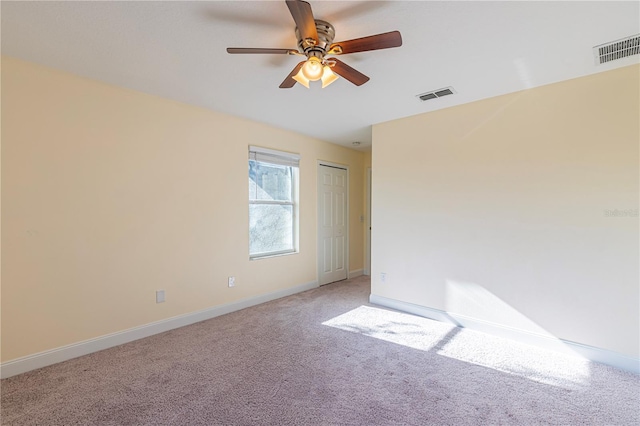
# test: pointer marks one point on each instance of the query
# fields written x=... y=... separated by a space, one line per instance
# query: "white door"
x=332 y=218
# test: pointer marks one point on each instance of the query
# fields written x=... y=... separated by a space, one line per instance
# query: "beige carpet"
x=323 y=357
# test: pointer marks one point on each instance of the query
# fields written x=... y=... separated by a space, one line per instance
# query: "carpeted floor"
x=323 y=357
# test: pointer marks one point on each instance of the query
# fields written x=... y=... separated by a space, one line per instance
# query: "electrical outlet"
x=159 y=296
x=383 y=277
x=232 y=281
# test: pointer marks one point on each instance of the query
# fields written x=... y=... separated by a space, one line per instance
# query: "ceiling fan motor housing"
x=326 y=34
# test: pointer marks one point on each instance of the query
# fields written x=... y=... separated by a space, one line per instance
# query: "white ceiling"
x=177 y=50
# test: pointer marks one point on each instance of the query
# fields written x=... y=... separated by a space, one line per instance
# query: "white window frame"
x=271 y=156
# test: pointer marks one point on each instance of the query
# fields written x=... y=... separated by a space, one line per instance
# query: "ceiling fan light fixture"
x=328 y=76
x=312 y=69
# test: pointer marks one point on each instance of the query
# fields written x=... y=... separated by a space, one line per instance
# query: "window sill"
x=269 y=256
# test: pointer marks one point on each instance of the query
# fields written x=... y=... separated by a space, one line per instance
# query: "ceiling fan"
x=315 y=41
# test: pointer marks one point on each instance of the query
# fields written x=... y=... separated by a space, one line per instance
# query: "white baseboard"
x=592 y=353
x=64 y=353
x=355 y=273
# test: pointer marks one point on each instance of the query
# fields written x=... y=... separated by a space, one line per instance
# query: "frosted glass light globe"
x=312 y=69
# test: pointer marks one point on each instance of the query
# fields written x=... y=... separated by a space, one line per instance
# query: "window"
x=273 y=196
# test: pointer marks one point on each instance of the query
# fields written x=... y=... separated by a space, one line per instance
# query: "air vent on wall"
x=617 y=49
x=434 y=94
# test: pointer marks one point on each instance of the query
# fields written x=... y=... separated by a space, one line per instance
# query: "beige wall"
x=110 y=194
x=367 y=159
x=495 y=210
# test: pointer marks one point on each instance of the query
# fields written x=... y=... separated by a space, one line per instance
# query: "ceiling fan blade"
x=234 y=50
x=289 y=82
x=351 y=74
x=303 y=16
x=374 y=42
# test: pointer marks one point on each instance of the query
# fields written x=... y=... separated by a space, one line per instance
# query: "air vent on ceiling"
x=617 y=49
x=434 y=94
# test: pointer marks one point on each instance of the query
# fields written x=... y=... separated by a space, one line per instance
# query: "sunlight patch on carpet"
x=511 y=357
x=395 y=327
x=466 y=345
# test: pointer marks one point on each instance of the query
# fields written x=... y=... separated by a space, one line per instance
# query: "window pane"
x=269 y=181
x=270 y=228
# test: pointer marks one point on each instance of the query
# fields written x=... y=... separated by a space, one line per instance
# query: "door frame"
x=367 y=229
x=318 y=216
